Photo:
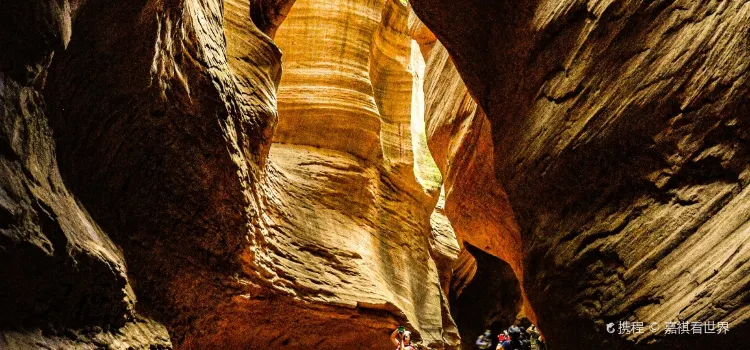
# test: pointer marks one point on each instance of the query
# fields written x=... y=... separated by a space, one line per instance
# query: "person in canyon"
x=500 y=339
x=515 y=342
x=533 y=337
x=485 y=340
x=402 y=339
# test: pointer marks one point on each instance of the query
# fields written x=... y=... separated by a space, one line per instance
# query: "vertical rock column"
x=392 y=77
x=326 y=96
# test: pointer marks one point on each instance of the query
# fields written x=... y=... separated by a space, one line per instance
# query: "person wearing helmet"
x=404 y=339
x=485 y=340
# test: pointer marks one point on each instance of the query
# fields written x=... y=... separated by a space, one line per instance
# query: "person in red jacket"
x=502 y=337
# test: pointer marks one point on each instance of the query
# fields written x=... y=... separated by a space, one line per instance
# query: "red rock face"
x=179 y=143
x=620 y=136
x=475 y=201
x=154 y=195
x=163 y=114
x=461 y=142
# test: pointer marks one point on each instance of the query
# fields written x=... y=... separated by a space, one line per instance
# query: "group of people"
x=514 y=338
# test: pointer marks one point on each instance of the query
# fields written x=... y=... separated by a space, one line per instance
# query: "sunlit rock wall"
x=326 y=93
x=459 y=138
x=393 y=77
x=345 y=206
x=619 y=133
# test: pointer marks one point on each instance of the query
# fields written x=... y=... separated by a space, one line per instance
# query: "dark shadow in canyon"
x=490 y=301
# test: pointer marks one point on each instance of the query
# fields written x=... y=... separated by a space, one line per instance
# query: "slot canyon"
x=309 y=174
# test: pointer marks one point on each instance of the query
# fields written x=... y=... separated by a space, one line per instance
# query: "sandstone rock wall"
x=350 y=205
x=393 y=76
x=346 y=233
x=155 y=138
x=64 y=280
x=163 y=113
x=619 y=132
x=605 y=159
x=475 y=202
x=459 y=137
x=326 y=92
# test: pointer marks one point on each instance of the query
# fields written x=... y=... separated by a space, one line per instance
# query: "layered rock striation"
x=326 y=92
x=345 y=205
x=163 y=115
x=619 y=133
x=165 y=185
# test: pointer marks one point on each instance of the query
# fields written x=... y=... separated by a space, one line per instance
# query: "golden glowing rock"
x=326 y=95
x=345 y=207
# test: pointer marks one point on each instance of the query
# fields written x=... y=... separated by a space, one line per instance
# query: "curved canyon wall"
x=163 y=115
x=341 y=188
x=475 y=203
x=65 y=283
x=165 y=185
x=619 y=133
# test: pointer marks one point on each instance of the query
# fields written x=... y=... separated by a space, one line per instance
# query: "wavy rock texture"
x=64 y=280
x=163 y=114
x=326 y=88
x=349 y=234
x=459 y=137
x=620 y=135
x=606 y=162
x=348 y=213
x=393 y=77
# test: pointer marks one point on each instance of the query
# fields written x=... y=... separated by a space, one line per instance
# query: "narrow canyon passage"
x=306 y=174
x=353 y=185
